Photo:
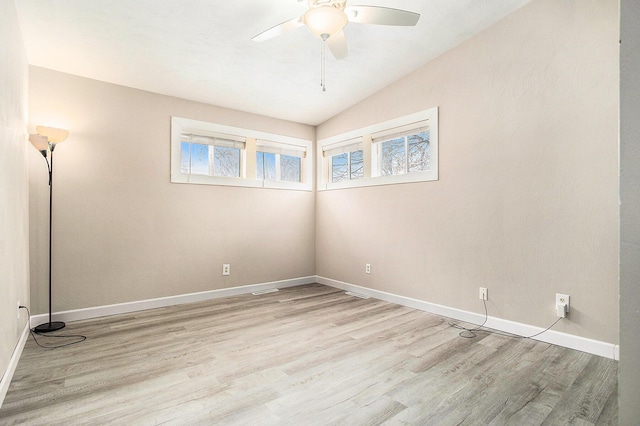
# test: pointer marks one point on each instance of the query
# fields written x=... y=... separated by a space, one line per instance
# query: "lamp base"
x=49 y=326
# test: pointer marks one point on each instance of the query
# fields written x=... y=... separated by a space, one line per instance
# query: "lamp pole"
x=51 y=325
x=45 y=142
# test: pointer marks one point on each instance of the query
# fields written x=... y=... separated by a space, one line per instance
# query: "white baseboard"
x=140 y=305
x=13 y=363
x=596 y=347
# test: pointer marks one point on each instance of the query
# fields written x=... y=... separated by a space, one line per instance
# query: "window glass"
x=226 y=161
x=185 y=158
x=356 y=165
x=259 y=165
x=419 y=152
x=194 y=158
x=290 y=168
x=393 y=157
x=266 y=165
x=339 y=167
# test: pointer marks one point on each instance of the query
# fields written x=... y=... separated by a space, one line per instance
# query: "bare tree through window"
x=268 y=165
x=348 y=165
x=195 y=159
x=405 y=154
x=356 y=165
x=226 y=161
x=290 y=168
x=419 y=152
x=340 y=167
x=393 y=157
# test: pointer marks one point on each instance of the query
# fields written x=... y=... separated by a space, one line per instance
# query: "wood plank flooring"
x=308 y=355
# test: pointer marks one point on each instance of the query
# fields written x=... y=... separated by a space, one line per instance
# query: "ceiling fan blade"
x=381 y=15
x=338 y=46
x=279 y=29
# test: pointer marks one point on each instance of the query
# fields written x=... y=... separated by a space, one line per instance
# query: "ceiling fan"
x=327 y=18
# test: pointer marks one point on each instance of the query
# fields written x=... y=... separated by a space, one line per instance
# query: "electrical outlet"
x=367 y=268
x=483 y=293
x=562 y=299
x=226 y=269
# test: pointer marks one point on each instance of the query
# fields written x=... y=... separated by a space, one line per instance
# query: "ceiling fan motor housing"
x=325 y=21
x=340 y=4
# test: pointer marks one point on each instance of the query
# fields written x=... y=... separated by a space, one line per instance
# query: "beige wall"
x=14 y=214
x=527 y=202
x=122 y=231
x=629 y=373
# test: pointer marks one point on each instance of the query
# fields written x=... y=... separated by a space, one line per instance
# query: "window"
x=398 y=151
x=208 y=156
x=346 y=166
x=213 y=154
x=356 y=165
x=344 y=161
x=226 y=161
x=340 y=167
x=404 y=154
x=290 y=168
x=272 y=166
x=279 y=162
x=393 y=159
x=266 y=165
x=194 y=159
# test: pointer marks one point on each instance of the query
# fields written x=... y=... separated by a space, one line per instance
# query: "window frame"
x=279 y=150
x=378 y=149
x=250 y=138
x=371 y=170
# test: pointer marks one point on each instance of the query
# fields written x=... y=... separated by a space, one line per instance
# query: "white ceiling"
x=202 y=49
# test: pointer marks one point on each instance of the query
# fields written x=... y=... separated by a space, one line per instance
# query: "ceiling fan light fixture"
x=327 y=20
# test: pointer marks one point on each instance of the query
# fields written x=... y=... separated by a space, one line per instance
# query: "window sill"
x=381 y=180
x=239 y=182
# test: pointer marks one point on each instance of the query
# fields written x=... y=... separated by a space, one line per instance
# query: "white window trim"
x=334 y=143
x=342 y=147
x=289 y=144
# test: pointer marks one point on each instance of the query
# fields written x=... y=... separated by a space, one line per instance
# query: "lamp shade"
x=53 y=134
x=327 y=20
x=39 y=142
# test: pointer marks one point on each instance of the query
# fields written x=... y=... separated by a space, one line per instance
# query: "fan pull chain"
x=323 y=62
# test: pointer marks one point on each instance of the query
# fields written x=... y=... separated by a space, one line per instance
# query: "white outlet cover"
x=561 y=299
x=483 y=293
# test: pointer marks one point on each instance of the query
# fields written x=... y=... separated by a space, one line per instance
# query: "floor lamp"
x=45 y=141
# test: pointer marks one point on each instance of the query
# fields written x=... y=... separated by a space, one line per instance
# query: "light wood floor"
x=307 y=355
